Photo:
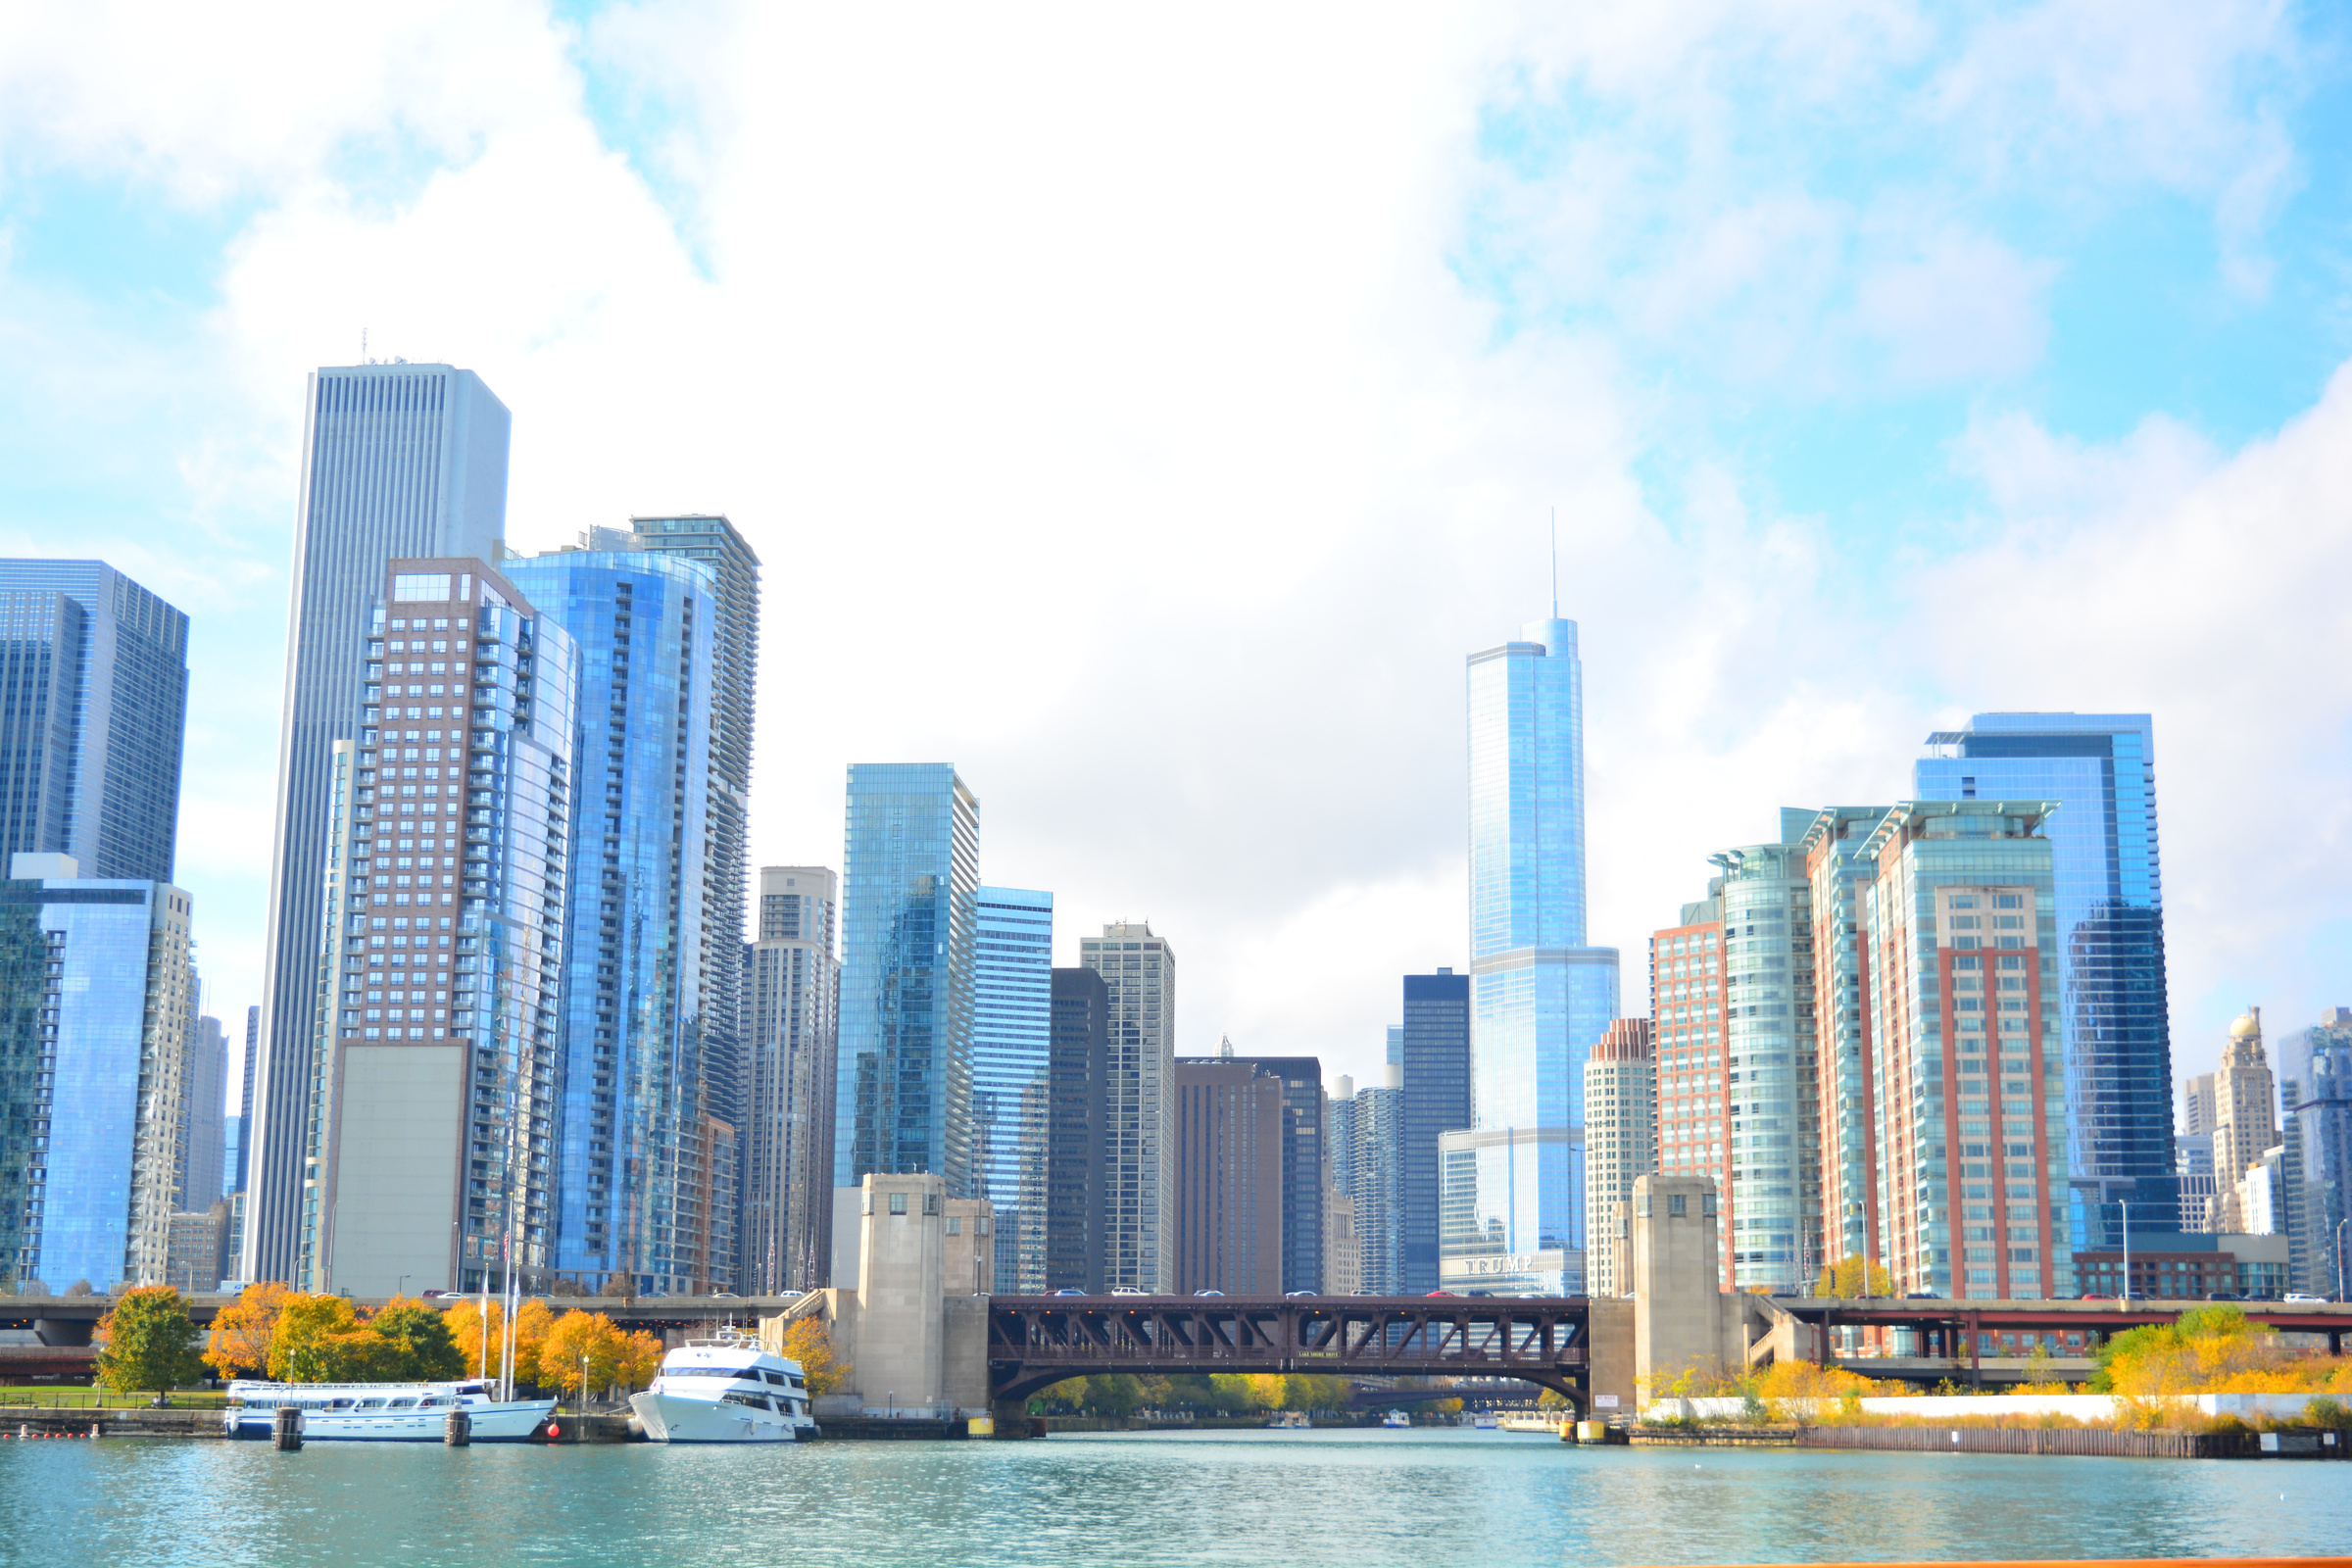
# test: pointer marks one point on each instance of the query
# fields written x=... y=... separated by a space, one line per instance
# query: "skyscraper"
x=1138 y=1163
x=1847 y=1094
x=202 y=1106
x=1012 y=1031
x=2100 y=768
x=1621 y=1112
x=93 y=718
x=639 y=1003
x=1513 y=1187
x=1960 y=930
x=398 y=460
x=433 y=1087
x=1226 y=1201
x=99 y=1004
x=791 y=997
x=909 y=916
x=2316 y=1083
x=1376 y=1181
x=1302 y=1156
x=1077 y=1108
x=2245 y=1122
x=1433 y=1048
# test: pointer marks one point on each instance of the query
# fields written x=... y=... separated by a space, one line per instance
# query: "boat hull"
x=512 y=1422
x=672 y=1418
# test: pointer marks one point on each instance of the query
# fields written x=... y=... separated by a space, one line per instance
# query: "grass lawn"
x=71 y=1397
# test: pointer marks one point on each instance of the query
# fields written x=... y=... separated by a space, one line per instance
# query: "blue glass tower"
x=93 y=716
x=1013 y=1052
x=631 y=1166
x=1512 y=1187
x=909 y=898
x=2102 y=770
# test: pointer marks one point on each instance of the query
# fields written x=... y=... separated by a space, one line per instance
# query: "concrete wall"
x=968 y=1266
x=1609 y=1357
x=1683 y=1321
x=2077 y=1406
x=399 y=1147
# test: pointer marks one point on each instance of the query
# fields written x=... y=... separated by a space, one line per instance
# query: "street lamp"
x=2341 y=1292
x=2123 y=1299
x=401 y=1289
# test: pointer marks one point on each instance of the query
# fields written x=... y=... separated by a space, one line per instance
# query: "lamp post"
x=2341 y=1293
x=2122 y=1301
x=583 y=1385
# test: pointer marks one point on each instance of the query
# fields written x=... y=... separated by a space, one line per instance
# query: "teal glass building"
x=2100 y=769
x=1511 y=1204
x=910 y=915
x=1013 y=1059
x=635 y=1154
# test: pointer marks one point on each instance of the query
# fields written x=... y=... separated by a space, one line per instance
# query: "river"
x=1355 y=1497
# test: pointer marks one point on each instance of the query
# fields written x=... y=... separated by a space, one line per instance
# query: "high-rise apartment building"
x=1433 y=1047
x=1750 y=1113
x=1139 y=1171
x=1343 y=1254
x=1077 y=1134
x=1512 y=1188
x=643 y=1081
x=2100 y=769
x=2193 y=1161
x=1376 y=1181
x=434 y=1085
x=1303 y=1163
x=1621 y=1110
x=204 y=1106
x=398 y=460
x=2199 y=1112
x=93 y=718
x=99 y=1011
x=1847 y=1094
x=1012 y=1035
x=2315 y=1086
x=1230 y=1159
x=1960 y=929
x=791 y=996
x=721 y=548
x=2245 y=1122
x=909 y=914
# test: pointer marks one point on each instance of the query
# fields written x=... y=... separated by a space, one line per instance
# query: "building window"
x=898 y=1203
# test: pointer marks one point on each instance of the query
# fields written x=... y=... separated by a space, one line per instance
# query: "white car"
x=2299 y=1299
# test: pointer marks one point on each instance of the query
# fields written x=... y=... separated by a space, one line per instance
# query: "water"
x=1350 y=1497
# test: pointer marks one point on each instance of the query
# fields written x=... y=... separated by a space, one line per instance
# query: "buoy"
x=555 y=1433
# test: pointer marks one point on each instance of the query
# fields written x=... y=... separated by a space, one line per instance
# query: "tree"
x=531 y=1327
x=589 y=1337
x=422 y=1348
x=643 y=1364
x=1854 y=1275
x=146 y=1342
x=239 y=1343
x=808 y=1343
x=302 y=1346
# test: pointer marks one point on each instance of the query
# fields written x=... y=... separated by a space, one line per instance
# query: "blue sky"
x=1147 y=412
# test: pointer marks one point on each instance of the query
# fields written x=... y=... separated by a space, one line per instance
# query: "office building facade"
x=2245 y=1126
x=1012 y=1047
x=909 y=914
x=641 y=1004
x=1846 y=1093
x=1304 y=1176
x=97 y=1017
x=1376 y=1181
x=398 y=461
x=1433 y=1048
x=1077 y=1134
x=435 y=1084
x=1231 y=1169
x=1512 y=1188
x=1139 y=971
x=93 y=718
x=2100 y=769
x=1621 y=1112
x=203 y=1114
x=2316 y=1088
x=792 y=995
x=1960 y=928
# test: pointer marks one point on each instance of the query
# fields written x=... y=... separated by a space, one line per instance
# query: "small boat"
x=1485 y=1422
x=726 y=1390
x=1290 y=1421
x=382 y=1412
x=1396 y=1418
x=1531 y=1421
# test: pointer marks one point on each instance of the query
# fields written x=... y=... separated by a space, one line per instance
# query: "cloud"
x=1963 y=308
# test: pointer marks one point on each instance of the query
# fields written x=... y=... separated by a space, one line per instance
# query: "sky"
x=1147 y=408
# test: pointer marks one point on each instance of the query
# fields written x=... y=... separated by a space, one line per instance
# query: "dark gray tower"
x=1436 y=1100
x=405 y=461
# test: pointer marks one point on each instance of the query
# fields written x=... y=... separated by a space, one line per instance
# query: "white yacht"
x=1396 y=1418
x=382 y=1412
x=726 y=1390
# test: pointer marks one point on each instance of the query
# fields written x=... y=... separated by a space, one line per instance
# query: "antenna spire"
x=1555 y=562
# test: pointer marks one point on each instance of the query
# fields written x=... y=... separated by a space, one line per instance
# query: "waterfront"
x=1353 y=1496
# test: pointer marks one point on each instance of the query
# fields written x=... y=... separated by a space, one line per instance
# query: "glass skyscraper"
x=791 y=996
x=398 y=460
x=1432 y=1050
x=637 y=961
x=1512 y=1200
x=93 y=716
x=1012 y=1050
x=2100 y=768
x=910 y=898
x=97 y=1013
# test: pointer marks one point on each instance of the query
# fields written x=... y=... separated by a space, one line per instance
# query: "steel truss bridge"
x=1036 y=1341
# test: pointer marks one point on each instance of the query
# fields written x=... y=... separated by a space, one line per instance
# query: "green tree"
x=146 y=1342
x=422 y=1348
x=304 y=1345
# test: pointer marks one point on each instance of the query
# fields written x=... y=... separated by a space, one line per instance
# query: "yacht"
x=382 y=1412
x=1396 y=1418
x=726 y=1390
x=1290 y=1421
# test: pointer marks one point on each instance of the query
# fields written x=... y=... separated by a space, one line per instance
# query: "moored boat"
x=382 y=1412
x=726 y=1390
x=1396 y=1418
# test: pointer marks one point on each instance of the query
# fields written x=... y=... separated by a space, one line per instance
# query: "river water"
x=1354 y=1497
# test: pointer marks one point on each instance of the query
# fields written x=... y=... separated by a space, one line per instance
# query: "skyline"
x=1170 y=695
